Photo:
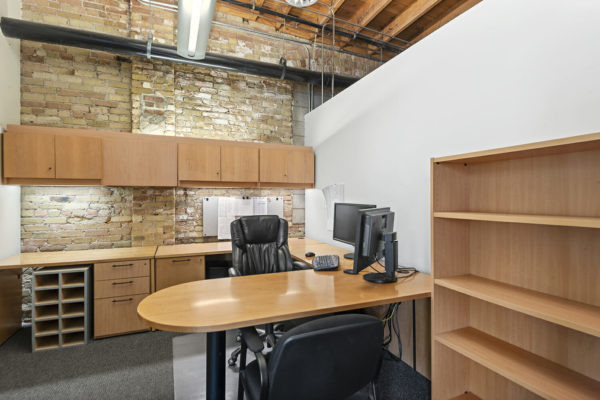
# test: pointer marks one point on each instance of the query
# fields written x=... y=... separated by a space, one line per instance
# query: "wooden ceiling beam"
x=335 y=7
x=461 y=8
x=365 y=14
x=407 y=17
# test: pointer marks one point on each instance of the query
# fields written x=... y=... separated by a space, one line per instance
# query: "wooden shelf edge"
x=585 y=142
x=553 y=220
x=536 y=374
x=568 y=313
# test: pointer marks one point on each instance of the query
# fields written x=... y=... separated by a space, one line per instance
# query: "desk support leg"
x=215 y=365
x=414 y=334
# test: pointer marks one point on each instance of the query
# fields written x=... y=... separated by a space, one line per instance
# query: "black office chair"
x=260 y=246
x=331 y=358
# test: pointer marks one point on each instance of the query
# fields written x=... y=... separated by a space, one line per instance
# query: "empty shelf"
x=48 y=281
x=537 y=374
x=571 y=314
x=46 y=312
x=46 y=342
x=556 y=220
x=72 y=310
x=73 y=339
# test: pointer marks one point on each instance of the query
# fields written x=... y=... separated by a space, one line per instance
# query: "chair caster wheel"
x=231 y=362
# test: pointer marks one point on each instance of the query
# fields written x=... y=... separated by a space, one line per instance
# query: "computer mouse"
x=310 y=254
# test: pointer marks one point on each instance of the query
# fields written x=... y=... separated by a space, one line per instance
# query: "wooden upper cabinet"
x=199 y=162
x=78 y=157
x=295 y=166
x=29 y=155
x=139 y=161
x=301 y=166
x=273 y=165
x=239 y=163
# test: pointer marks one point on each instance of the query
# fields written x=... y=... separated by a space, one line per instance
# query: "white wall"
x=506 y=72
x=10 y=103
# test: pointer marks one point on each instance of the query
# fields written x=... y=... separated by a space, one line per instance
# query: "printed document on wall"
x=333 y=194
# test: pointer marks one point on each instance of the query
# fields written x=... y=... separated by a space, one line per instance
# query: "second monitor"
x=346 y=216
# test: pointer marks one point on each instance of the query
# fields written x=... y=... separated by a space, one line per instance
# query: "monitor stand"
x=391 y=262
x=350 y=271
x=349 y=256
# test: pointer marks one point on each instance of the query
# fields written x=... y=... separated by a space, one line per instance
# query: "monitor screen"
x=345 y=219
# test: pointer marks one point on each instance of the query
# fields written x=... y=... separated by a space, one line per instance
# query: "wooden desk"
x=213 y=306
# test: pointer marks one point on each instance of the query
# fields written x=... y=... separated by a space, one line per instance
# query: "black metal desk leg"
x=215 y=366
x=414 y=332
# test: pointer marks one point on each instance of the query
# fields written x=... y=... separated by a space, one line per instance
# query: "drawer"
x=117 y=315
x=121 y=287
x=121 y=269
x=173 y=271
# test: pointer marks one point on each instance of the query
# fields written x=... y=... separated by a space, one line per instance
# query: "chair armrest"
x=298 y=265
x=264 y=376
x=252 y=339
x=234 y=272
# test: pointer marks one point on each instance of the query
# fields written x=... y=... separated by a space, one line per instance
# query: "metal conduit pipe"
x=44 y=33
x=353 y=35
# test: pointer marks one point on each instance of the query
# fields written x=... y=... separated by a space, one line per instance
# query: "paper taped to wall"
x=219 y=212
x=333 y=194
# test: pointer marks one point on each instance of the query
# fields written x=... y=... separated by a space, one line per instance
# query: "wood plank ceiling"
x=377 y=28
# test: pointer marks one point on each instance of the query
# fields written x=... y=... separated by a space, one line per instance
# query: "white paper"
x=260 y=205
x=243 y=207
x=275 y=206
x=333 y=194
x=226 y=216
x=210 y=216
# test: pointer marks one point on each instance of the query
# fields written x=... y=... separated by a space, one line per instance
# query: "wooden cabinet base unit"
x=118 y=288
x=173 y=271
x=117 y=315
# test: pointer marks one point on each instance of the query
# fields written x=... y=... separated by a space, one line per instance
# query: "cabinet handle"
x=122 y=283
x=186 y=260
x=121 y=301
x=122 y=265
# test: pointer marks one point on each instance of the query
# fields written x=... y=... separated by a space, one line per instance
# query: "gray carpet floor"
x=137 y=366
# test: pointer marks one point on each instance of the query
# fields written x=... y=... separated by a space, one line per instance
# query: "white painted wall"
x=10 y=103
x=506 y=72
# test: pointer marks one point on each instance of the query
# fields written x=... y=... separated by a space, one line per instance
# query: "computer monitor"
x=362 y=261
x=345 y=218
x=376 y=238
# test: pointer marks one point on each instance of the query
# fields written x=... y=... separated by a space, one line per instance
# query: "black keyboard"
x=326 y=263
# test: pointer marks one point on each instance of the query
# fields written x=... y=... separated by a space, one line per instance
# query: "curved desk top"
x=228 y=303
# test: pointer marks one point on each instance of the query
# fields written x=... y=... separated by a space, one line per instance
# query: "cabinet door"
x=300 y=166
x=28 y=155
x=273 y=165
x=239 y=163
x=199 y=162
x=78 y=157
x=173 y=271
x=139 y=162
x=10 y=302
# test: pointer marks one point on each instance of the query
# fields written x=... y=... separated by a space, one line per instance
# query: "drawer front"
x=121 y=287
x=117 y=315
x=173 y=271
x=121 y=269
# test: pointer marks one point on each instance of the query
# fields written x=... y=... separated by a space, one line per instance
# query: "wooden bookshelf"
x=571 y=314
x=544 y=378
x=515 y=255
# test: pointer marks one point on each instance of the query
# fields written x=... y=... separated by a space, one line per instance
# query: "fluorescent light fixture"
x=193 y=27
x=301 y=3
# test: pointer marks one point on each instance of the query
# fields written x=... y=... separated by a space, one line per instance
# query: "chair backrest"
x=326 y=359
x=260 y=245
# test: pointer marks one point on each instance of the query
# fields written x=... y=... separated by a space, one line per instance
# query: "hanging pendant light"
x=193 y=27
x=301 y=3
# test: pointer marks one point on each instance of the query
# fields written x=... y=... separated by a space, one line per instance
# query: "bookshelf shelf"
x=571 y=314
x=555 y=220
x=544 y=378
